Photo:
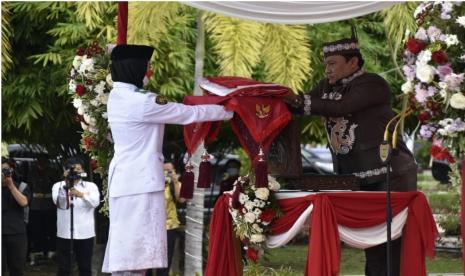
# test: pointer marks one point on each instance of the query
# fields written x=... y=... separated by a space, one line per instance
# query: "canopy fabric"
x=292 y=12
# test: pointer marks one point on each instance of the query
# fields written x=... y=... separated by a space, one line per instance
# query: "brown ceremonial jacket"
x=356 y=111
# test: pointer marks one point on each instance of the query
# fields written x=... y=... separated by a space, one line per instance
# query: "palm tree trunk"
x=194 y=217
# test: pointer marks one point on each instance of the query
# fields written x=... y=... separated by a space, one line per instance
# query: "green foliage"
x=443 y=203
x=35 y=102
x=237 y=43
x=6 y=35
x=286 y=54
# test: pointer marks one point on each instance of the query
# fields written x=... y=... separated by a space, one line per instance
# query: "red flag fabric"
x=257 y=121
x=122 y=31
x=354 y=210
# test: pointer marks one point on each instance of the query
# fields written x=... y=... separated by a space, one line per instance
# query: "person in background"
x=172 y=192
x=42 y=222
x=15 y=197
x=85 y=197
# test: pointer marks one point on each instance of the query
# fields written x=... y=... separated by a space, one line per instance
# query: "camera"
x=73 y=175
x=7 y=172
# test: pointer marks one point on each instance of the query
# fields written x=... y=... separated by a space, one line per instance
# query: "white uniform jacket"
x=137 y=127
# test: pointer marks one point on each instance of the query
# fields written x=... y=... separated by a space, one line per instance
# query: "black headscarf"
x=129 y=63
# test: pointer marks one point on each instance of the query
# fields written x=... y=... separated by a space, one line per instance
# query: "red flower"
x=88 y=143
x=149 y=73
x=441 y=153
x=252 y=254
x=93 y=164
x=80 y=90
x=80 y=52
x=440 y=57
x=424 y=116
x=267 y=215
x=415 y=46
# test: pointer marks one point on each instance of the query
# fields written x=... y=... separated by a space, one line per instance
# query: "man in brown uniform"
x=356 y=106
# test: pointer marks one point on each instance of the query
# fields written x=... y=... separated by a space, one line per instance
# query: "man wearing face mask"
x=356 y=107
x=137 y=236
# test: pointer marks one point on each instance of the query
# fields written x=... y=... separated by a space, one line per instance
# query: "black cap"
x=125 y=51
x=343 y=46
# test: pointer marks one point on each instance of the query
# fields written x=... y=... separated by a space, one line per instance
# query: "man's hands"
x=76 y=193
x=292 y=99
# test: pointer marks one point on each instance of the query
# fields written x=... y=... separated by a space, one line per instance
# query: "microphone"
x=386 y=147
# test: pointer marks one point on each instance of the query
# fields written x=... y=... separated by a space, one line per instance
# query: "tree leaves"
x=286 y=53
x=237 y=43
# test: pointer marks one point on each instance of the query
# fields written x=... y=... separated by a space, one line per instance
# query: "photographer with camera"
x=76 y=201
x=15 y=197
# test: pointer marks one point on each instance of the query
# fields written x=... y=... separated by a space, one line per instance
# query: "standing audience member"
x=42 y=226
x=85 y=197
x=172 y=196
x=15 y=197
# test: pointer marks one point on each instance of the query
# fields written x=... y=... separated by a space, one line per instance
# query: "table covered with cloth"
x=356 y=218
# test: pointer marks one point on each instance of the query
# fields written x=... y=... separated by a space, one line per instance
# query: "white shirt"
x=83 y=213
x=137 y=124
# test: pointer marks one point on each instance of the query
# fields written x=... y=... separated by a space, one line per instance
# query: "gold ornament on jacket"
x=341 y=139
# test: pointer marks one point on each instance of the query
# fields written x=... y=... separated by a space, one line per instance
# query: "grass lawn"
x=292 y=259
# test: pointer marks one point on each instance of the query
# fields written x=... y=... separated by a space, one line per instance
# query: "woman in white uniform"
x=137 y=237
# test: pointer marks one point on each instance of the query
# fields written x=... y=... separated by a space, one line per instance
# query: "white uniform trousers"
x=137 y=236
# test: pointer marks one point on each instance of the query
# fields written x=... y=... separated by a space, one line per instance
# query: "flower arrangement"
x=434 y=70
x=252 y=210
x=89 y=84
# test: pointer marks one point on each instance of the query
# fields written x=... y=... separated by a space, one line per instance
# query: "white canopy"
x=292 y=12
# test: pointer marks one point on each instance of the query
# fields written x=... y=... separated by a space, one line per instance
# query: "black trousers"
x=14 y=250
x=172 y=236
x=82 y=250
x=42 y=230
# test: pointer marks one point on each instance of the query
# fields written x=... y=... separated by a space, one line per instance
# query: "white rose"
x=250 y=217
x=94 y=102
x=256 y=238
x=77 y=62
x=407 y=87
x=242 y=198
x=451 y=40
x=77 y=102
x=249 y=205
x=461 y=21
x=257 y=212
x=84 y=126
x=273 y=184
x=87 y=65
x=443 y=93
x=103 y=98
x=457 y=101
x=81 y=110
x=262 y=193
x=425 y=73
x=72 y=86
x=442 y=132
x=424 y=57
x=86 y=118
